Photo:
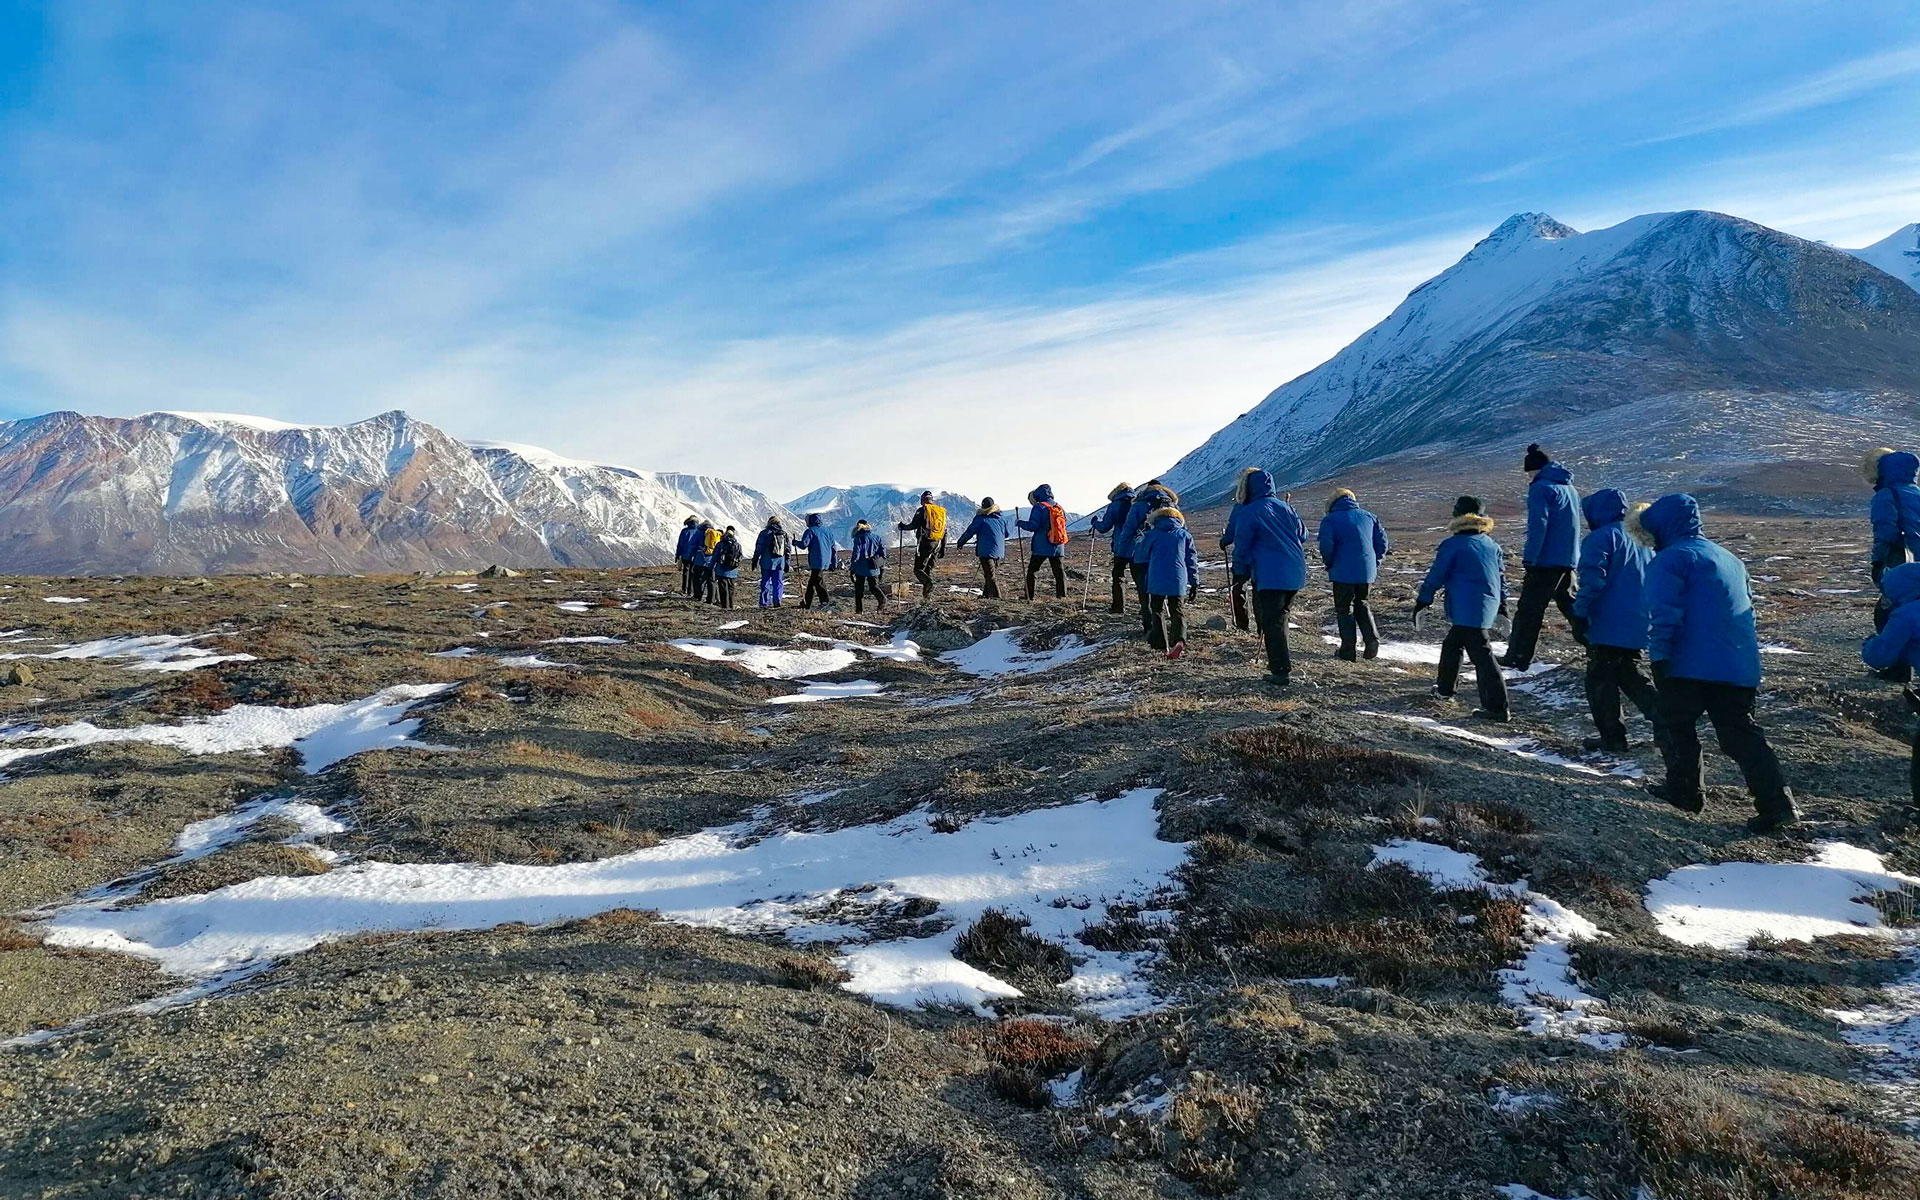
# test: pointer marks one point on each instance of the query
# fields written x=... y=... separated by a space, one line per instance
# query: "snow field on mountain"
x=1061 y=869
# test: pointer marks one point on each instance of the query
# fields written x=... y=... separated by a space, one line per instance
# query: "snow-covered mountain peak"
x=1898 y=254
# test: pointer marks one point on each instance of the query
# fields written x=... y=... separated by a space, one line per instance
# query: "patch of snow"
x=66 y=599
x=322 y=733
x=1059 y=868
x=1727 y=905
x=1520 y=1191
x=532 y=662
x=153 y=652
x=1541 y=987
x=1518 y=745
x=731 y=625
x=770 y=662
x=1889 y=1033
x=849 y=690
x=204 y=837
x=999 y=653
x=576 y=607
x=591 y=639
x=1776 y=648
x=1321 y=981
x=457 y=652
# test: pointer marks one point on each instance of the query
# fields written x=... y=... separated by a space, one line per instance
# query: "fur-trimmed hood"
x=690 y=522
x=1889 y=468
x=1157 y=495
x=1041 y=495
x=776 y=523
x=988 y=510
x=1471 y=523
x=1119 y=490
x=1342 y=498
x=861 y=526
x=1253 y=484
x=1169 y=512
x=1669 y=519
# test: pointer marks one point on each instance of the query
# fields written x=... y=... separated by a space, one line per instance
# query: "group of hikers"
x=1643 y=581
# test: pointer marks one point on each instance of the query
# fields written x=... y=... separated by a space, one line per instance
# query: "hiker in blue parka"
x=817 y=541
x=1239 y=574
x=1269 y=542
x=1895 y=512
x=1352 y=543
x=702 y=559
x=1467 y=566
x=1706 y=660
x=770 y=552
x=727 y=554
x=867 y=563
x=683 y=554
x=1043 y=549
x=1553 y=534
x=1897 y=644
x=988 y=533
x=1173 y=578
x=1152 y=496
x=1112 y=520
x=1612 y=605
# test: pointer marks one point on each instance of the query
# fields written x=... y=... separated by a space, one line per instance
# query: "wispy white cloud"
x=1849 y=80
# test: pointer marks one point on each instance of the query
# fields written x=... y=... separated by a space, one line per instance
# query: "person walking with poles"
x=988 y=533
x=1173 y=579
x=1611 y=606
x=683 y=553
x=817 y=541
x=1352 y=543
x=1270 y=540
x=1706 y=661
x=867 y=563
x=1550 y=555
x=1152 y=496
x=1047 y=521
x=1467 y=567
x=726 y=567
x=770 y=553
x=929 y=525
x=1112 y=520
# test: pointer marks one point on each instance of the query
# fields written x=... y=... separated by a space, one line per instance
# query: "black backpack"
x=728 y=552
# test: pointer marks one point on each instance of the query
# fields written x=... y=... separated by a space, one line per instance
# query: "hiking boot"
x=1437 y=694
x=1600 y=743
x=1781 y=815
x=1371 y=652
x=1512 y=664
x=1179 y=650
x=1346 y=654
x=1487 y=714
x=1666 y=795
x=1273 y=680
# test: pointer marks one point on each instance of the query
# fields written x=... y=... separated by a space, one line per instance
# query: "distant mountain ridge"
x=202 y=493
x=884 y=505
x=1663 y=321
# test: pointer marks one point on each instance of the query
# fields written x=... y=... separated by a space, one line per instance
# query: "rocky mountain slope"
x=883 y=504
x=1540 y=325
x=190 y=493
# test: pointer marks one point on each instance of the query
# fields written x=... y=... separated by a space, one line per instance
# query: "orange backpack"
x=1056 y=524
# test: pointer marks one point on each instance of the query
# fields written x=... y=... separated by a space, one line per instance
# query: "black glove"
x=1420 y=606
x=1503 y=609
x=1193 y=592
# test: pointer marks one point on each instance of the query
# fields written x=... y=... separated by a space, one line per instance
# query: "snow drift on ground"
x=1727 y=905
x=1060 y=868
x=322 y=733
x=157 y=652
x=999 y=653
x=1541 y=987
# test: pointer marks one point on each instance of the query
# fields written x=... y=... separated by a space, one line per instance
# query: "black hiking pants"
x=923 y=566
x=1139 y=572
x=1121 y=568
x=1353 y=616
x=686 y=578
x=1465 y=639
x=862 y=585
x=1059 y=574
x=1730 y=707
x=989 y=579
x=1273 y=607
x=703 y=583
x=724 y=586
x=1539 y=587
x=1169 y=621
x=1612 y=671
x=1245 y=615
x=816 y=588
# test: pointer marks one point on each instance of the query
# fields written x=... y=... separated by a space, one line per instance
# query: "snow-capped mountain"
x=1898 y=254
x=1540 y=324
x=195 y=493
x=883 y=505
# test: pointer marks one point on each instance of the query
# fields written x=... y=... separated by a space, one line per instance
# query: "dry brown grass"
x=12 y=937
x=202 y=691
x=1433 y=950
x=1288 y=769
x=1000 y=944
x=1022 y=1055
x=809 y=973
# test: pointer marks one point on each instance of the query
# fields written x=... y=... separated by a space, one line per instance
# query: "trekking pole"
x=1086 y=581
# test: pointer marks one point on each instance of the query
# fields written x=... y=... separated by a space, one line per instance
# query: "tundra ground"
x=1327 y=1019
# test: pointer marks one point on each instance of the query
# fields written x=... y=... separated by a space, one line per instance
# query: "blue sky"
x=975 y=245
